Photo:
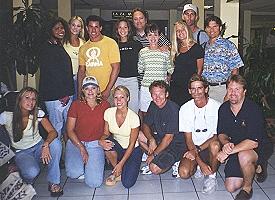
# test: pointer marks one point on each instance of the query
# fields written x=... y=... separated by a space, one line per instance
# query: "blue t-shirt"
x=164 y=121
x=247 y=124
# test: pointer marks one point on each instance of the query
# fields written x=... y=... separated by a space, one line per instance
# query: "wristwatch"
x=198 y=148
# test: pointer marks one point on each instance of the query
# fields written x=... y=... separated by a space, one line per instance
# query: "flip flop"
x=112 y=180
x=55 y=190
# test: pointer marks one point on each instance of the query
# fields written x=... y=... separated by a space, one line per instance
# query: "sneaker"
x=243 y=195
x=175 y=169
x=198 y=173
x=145 y=170
x=209 y=185
x=144 y=157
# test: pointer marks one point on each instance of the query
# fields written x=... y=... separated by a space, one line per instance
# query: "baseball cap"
x=190 y=7
x=89 y=80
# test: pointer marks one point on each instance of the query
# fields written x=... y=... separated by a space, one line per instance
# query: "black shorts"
x=232 y=167
x=169 y=156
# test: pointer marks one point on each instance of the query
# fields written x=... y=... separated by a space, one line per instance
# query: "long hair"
x=17 y=125
x=82 y=31
x=175 y=41
x=130 y=31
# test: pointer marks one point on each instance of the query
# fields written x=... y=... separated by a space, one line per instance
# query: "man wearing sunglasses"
x=198 y=121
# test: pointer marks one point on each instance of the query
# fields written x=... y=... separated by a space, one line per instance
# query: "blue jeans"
x=93 y=171
x=130 y=170
x=58 y=114
x=28 y=162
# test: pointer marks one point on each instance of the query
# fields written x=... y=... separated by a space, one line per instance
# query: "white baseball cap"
x=190 y=7
x=89 y=80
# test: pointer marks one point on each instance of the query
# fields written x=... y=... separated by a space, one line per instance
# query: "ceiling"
x=253 y=5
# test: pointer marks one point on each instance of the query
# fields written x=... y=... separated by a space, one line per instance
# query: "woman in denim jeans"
x=84 y=156
x=30 y=148
x=120 y=140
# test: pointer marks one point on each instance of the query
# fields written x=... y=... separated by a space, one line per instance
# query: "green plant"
x=25 y=38
x=260 y=76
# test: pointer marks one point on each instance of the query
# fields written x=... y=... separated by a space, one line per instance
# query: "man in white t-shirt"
x=198 y=120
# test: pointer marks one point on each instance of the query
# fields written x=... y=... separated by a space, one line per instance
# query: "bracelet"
x=155 y=154
x=198 y=148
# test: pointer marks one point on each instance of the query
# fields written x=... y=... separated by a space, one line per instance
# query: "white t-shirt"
x=204 y=120
x=30 y=137
x=122 y=133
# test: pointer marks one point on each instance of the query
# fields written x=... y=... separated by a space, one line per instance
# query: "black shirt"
x=129 y=58
x=56 y=75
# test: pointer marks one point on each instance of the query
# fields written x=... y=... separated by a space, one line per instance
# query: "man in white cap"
x=191 y=17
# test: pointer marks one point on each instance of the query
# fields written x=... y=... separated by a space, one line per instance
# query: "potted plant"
x=260 y=76
x=24 y=39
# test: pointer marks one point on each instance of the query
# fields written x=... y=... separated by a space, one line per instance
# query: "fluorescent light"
x=207 y=7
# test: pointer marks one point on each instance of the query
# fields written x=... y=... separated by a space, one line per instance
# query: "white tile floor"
x=152 y=187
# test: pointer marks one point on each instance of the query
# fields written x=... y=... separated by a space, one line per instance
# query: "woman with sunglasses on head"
x=85 y=124
x=120 y=140
x=72 y=43
x=30 y=148
x=187 y=56
x=129 y=50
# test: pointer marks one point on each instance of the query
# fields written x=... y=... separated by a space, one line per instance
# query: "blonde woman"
x=187 y=56
x=85 y=125
x=73 y=42
x=120 y=140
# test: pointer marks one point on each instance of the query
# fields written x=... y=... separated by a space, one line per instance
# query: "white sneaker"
x=145 y=170
x=209 y=185
x=198 y=173
x=144 y=157
x=175 y=169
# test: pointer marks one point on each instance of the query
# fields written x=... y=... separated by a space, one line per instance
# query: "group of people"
x=114 y=99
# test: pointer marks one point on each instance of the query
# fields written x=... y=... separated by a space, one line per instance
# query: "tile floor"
x=152 y=187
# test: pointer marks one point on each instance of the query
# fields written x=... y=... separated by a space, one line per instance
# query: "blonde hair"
x=82 y=31
x=122 y=89
x=175 y=41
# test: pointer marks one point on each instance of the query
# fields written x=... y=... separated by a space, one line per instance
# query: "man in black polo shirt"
x=241 y=131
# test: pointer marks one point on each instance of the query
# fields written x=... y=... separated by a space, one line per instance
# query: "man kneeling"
x=160 y=138
x=198 y=120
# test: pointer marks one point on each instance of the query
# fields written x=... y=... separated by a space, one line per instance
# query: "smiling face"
x=213 y=30
x=121 y=99
x=75 y=27
x=28 y=101
x=181 y=32
x=123 y=30
x=58 y=31
x=90 y=92
x=159 y=96
x=139 y=21
x=94 y=31
x=236 y=93
x=153 y=38
x=198 y=91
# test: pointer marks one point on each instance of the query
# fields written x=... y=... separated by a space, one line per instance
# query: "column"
x=200 y=5
x=172 y=19
x=64 y=8
x=229 y=14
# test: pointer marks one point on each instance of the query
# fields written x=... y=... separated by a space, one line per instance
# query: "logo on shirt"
x=93 y=57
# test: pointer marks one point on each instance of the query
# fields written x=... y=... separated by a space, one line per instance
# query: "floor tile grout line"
x=161 y=187
x=128 y=195
x=195 y=188
x=94 y=194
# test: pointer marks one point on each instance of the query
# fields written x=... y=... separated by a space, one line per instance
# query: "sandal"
x=55 y=189
x=112 y=179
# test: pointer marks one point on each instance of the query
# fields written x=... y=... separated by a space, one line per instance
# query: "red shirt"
x=89 y=123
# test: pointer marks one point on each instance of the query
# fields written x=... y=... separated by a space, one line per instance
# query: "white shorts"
x=144 y=99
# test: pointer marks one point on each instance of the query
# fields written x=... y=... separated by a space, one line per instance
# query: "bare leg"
x=248 y=161
x=112 y=157
x=214 y=148
x=187 y=168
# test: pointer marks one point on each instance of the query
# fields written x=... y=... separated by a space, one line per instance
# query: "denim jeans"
x=93 y=171
x=28 y=162
x=130 y=170
x=132 y=85
x=58 y=114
